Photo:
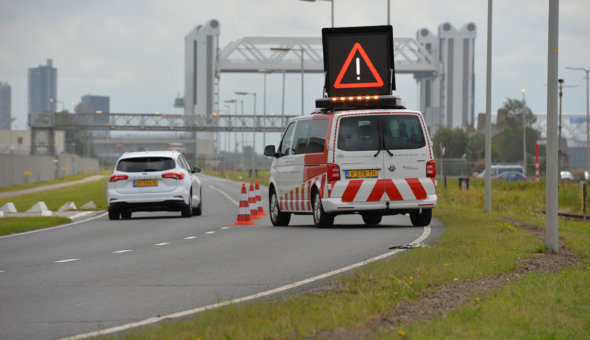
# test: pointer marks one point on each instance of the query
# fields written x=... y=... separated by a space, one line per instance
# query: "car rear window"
x=402 y=132
x=362 y=133
x=145 y=164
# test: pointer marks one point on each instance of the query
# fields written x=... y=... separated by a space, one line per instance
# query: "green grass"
x=10 y=225
x=38 y=184
x=79 y=194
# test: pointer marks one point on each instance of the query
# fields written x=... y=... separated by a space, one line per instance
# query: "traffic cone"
x=261 y=211
x=252 y=201
x=244 y=211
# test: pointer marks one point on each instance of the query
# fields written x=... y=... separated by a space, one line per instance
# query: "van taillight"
x=115 y=178
x=430 y=169
x=173 y=175
x=333 y=172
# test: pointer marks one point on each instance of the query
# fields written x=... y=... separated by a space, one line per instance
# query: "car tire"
x=421 y=217
x=113 y=214
x=187 y=211
x=277 y=217
x=372 y=218
x=199 y=210
x=320 y=218
x=125 y=214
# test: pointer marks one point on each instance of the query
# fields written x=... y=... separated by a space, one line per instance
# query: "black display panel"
x=358 y=60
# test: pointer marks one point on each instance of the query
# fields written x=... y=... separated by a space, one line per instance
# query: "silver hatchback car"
x=153 y=181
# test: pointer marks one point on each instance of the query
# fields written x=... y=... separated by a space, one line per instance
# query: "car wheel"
x=113 y=214
x=372 y=219
x=125 y=215
x=421 y=217
x=199 y=210
x=277 y=217
x=320 y=217
x=187 y=211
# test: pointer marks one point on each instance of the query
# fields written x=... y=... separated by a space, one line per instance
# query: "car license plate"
x=145 y=183
x=372 y=173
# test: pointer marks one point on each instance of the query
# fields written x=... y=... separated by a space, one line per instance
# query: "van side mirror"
x=270 y=151
x=196 y=170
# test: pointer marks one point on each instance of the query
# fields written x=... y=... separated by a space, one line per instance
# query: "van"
x=372 y=162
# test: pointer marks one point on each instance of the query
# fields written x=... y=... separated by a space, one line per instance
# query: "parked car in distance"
x=511 y=176
x=566 y=176
x=500 y=168
x=153 y=181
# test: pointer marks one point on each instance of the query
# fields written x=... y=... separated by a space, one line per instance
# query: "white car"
x=372 y=162
x=153 y=181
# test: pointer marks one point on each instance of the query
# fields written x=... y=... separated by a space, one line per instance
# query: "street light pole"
x=559 y=156
x=332 y=9
x=254 y=126
x=524 y=130
x=587 y=117
x=302 y=50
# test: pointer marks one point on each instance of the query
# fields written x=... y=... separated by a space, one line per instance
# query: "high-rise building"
x=99 y=107
x=5 y=97
x=42 y=83
x=200 y=80
x=449 y=99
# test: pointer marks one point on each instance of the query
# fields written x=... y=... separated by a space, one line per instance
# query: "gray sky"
x=133 y=50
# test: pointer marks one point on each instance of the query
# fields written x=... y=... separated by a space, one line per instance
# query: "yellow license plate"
x=145 y=183
x=372 y=173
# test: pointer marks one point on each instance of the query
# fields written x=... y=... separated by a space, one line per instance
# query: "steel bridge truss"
x=283 y=54
x=163 y=122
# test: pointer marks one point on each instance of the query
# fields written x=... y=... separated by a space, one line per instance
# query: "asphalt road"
x=99 y=274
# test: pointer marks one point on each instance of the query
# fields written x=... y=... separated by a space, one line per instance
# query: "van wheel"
x=421 y=217
x=320 y=217
x=277 y=217
x=113 y=214
x=372 y=219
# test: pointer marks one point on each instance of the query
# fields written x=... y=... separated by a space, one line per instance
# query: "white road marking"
x=224 y=228
x=224 y=194
x=210 y=232
x=53 y=228
x=78 y=215
x=153 y=320
x=190 y=237
x=67 y=260
x=122 y=251
x=2 y=271
x=162 y=244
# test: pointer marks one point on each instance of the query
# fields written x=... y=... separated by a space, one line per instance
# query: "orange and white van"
x=372 y=160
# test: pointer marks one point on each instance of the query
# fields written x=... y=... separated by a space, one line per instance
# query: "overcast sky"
x=133 y=51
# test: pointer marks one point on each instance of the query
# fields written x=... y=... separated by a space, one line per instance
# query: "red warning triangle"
x=357 y=47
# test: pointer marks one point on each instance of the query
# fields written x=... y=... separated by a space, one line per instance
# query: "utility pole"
x=551 y=222
x=488 y=132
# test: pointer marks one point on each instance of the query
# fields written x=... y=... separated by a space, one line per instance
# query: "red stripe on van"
x=417 y=188
x=351 y=190
x=384 y=186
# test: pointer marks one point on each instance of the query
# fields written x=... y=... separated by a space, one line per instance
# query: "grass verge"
x=38 y=184
x=475 y=245
x=11 y=225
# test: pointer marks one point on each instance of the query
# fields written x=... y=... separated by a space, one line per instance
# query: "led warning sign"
x=358 y=60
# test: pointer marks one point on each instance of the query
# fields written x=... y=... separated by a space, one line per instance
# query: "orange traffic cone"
x=252 y=201
x=244 y=211
x=261 y=211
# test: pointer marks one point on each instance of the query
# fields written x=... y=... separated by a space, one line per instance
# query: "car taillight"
x=173 y=175
x=431 y=169
x=333 y=172
x=115 y=178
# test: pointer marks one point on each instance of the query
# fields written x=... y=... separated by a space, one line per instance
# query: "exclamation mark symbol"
x=358 y=69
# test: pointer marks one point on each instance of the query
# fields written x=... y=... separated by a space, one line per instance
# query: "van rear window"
x=362 y=133
x=145 y=164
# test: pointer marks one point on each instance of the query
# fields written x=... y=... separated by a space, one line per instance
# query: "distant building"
x=449 y=99
x=42 y=89
x=99 y=107
x=200 y=81
x=5 y=106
